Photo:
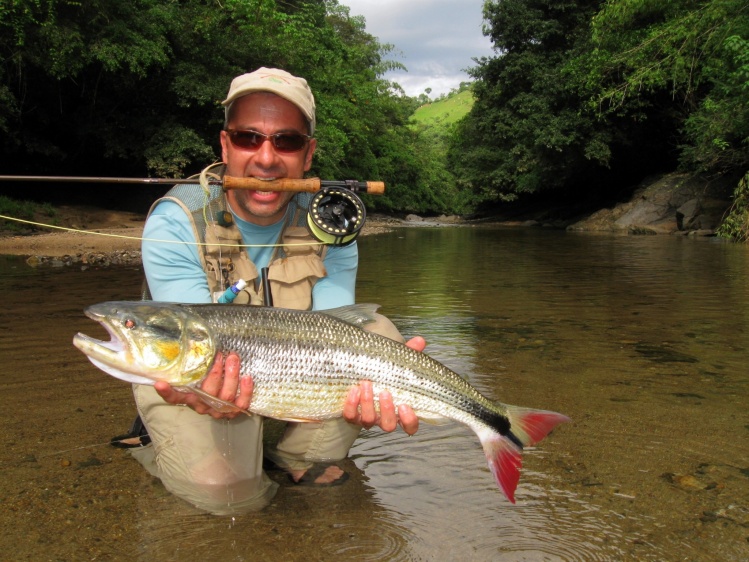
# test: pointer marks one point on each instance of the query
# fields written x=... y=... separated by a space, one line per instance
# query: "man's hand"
x=360 y=409
x=222 y=381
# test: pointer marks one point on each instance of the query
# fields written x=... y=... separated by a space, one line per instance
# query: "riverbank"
x=676 y=203
x=86 y=236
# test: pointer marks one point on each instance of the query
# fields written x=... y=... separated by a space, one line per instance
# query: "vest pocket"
x=292 y=278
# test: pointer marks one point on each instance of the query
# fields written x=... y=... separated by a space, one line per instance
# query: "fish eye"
x=129 y=323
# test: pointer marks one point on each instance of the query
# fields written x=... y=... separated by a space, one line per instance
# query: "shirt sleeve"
x=339 y=287
x=170 y=257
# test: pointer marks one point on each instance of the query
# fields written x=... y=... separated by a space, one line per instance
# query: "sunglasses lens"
x=282 y=142
x=288 y=142
x=249 y=140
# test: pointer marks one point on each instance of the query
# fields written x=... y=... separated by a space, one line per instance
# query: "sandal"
x=137 y=437
x=314 y=472
x=308 y=478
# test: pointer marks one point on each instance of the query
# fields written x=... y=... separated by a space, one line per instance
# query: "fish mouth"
x=89 y=345
x=111 y=356
x=115 y=347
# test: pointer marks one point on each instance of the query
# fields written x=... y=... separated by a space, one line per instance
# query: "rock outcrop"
x=674 y=203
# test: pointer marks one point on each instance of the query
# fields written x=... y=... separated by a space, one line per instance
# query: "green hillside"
x=444 y=111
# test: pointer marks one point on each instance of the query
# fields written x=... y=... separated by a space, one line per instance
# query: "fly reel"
x=336 y=215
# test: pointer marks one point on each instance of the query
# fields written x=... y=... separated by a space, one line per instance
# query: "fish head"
x=150 y=341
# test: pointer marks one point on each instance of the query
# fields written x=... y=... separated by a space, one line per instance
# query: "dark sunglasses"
x=282 y=142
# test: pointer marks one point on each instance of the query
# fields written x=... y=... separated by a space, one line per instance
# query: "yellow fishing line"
x=111 y=235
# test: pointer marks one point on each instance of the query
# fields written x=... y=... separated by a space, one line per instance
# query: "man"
x=213 y=458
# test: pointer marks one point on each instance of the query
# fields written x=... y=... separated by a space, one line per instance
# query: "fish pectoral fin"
x=212 y=401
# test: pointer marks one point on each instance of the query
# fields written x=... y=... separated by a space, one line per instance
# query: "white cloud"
x=434 y=39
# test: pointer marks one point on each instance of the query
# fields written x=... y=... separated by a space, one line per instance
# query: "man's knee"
x=225 y=498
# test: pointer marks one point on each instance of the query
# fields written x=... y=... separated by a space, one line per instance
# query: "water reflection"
x=641 y=340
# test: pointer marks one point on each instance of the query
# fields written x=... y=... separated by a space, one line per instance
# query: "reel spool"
x=336 y=215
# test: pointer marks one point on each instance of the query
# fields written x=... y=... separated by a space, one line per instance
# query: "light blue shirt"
x=175 y=274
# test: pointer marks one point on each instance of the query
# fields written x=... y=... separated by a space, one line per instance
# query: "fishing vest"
x=294 y=267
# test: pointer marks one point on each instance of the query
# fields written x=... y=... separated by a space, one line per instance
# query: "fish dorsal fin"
x=356 y=314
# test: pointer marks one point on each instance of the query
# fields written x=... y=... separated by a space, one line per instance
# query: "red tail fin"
x=503 y=454
x=530 y=426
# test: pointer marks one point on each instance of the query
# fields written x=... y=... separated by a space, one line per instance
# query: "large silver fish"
x=303 y=365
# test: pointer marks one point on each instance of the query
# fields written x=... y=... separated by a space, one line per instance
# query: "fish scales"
x=303 y=365
x=303 y=354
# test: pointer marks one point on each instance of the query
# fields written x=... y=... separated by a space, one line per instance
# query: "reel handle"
x=310 y=185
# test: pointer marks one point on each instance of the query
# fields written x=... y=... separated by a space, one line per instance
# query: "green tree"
x=526 y=133
x=691 y=57
x=693 y=52
x=603 y=93
x=96 y=86
x=106 y=87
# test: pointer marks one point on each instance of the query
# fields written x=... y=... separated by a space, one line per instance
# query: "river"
x=641 y=340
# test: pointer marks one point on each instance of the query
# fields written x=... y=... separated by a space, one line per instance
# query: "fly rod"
x=336 y=214
x=309 y=185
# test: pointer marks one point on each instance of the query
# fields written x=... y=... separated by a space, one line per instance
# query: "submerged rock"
x=97 y=259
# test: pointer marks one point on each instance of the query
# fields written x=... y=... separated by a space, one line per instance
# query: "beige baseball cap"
x=279 y=82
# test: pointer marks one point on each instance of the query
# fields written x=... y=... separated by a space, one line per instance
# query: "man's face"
x=268 y=114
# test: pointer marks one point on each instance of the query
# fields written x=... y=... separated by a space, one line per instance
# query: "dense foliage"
x=106 y=87
x=696 y=54
x=525 y=131
x=582 y=99
x=736 y=225
x=596 y=95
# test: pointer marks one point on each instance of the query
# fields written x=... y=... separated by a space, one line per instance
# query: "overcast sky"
x=434 y=39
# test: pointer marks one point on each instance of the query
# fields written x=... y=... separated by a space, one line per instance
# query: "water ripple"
x=390 y=542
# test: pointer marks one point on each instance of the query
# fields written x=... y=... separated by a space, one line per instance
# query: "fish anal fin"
x=432 y=418
x=295 y=420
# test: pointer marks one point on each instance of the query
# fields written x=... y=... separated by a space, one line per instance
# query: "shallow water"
x=642 y=341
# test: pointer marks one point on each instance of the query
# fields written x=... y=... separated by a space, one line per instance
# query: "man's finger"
x=230 y=384
x=388 y=419
x=368 y=412
x=215 y=378
x=351 y=406
x=408 y=419
x=246 y=386
x=417 y=343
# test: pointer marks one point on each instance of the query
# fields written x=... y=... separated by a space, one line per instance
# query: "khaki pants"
x=217 y=465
